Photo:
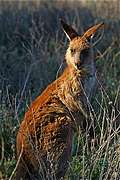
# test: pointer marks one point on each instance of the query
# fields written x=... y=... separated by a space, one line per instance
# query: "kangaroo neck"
x=71 y=92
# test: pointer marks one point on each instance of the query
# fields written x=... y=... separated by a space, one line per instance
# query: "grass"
x=101 y=159
x=28 y=65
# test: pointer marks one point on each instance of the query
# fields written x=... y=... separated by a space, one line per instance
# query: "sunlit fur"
x=44 y=139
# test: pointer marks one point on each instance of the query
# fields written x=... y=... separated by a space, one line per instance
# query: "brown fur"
x=44 y=139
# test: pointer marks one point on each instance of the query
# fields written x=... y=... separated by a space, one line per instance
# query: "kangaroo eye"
x=72 y=50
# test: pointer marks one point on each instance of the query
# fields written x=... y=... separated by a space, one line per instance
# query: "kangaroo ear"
x=90 y=32
x=69 y=31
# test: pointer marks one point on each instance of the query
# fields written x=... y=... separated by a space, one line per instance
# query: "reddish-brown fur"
x=44 y=139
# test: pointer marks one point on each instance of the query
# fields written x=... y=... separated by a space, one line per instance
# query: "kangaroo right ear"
x=91 y=31
x=69 y=31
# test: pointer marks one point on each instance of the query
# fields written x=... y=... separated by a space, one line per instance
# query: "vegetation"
x=32 y=47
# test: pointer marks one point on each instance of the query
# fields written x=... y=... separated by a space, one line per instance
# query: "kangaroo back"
x=44 y=139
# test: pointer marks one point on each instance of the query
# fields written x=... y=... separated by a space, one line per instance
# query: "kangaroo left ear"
x=90 y=32
x=69 y=31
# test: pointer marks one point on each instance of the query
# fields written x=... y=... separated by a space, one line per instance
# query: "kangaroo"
x=44 y=139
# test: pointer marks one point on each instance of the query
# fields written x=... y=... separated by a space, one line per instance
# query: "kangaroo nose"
x=78 y=65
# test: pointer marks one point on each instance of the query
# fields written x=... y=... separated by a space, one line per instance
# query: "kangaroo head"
x=80 y=55
x=80 y=52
